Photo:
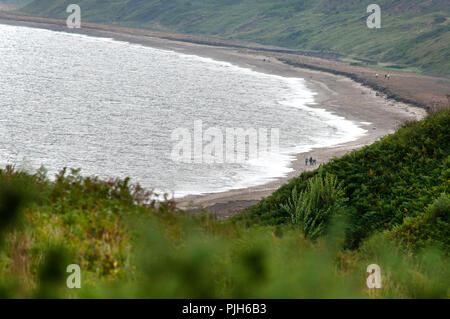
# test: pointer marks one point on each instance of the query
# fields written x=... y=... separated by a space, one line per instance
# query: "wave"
x=128 y=91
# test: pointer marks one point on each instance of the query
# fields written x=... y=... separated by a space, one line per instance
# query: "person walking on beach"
x=306 y=161
x=310 y=161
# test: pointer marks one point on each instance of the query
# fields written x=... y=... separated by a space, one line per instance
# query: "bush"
x=440 y=208
x=312 y=209
x=429 y=230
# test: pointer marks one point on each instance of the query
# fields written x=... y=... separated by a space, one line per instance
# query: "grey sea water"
x=110 y=107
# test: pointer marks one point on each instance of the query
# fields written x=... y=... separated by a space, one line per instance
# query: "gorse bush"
x=312 y=209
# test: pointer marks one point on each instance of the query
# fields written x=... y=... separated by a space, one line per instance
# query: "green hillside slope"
x=414 y=32
x=390 y=185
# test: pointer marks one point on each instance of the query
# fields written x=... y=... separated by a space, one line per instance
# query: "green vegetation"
x=313 y=208
x=386 y=204
x=414 y=33
x=397 y=177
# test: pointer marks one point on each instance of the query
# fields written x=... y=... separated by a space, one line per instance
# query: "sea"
x=115 y=109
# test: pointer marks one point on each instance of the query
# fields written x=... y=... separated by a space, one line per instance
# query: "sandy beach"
x=336 y=93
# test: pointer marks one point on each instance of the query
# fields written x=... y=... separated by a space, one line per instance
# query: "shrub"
x=429 y=230
x=440 y=208
x=312 y=209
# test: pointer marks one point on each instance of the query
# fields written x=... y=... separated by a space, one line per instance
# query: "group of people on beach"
x=386 y=76
x=311 y=161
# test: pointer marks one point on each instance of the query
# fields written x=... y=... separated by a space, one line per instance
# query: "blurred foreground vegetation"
x=387 y=204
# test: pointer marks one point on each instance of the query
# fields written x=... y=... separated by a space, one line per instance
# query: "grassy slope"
x=414 y=33
x=387 y=183
x=130 y=250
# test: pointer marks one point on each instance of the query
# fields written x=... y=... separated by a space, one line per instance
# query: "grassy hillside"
x=389 y=185
x=414 y=32
x=129 y=248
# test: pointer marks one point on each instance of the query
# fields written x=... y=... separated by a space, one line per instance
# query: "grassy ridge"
x=129 y=248
x=414 y=33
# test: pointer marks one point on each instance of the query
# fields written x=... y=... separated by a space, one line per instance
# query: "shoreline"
x=335 y=93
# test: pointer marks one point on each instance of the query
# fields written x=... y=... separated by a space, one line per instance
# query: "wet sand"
x=335 y=93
